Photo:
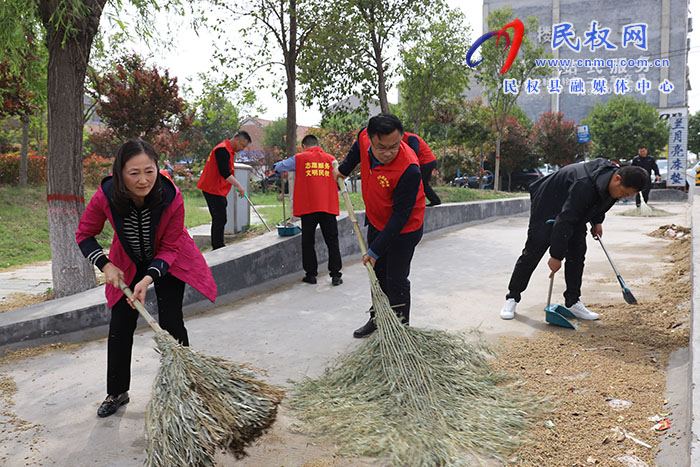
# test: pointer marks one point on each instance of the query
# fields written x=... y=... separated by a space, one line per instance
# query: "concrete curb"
x=694 y=377
x=234 y=267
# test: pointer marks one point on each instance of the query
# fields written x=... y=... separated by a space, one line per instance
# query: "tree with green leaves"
x=432 y=68
x=23 y=92
x=621 y=124
x=488 y=74
x=68 y=28
x=694 y=133
x=216 y=118
x=277 y=35
x=555 y=139
x=275 y=136
x=349 y=50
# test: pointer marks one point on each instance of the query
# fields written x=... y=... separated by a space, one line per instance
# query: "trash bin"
x=237 y=210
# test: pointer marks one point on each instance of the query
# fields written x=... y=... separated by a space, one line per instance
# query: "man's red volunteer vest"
x=378 y=186
x=211 y=180
x=315 y=189
x=425 y=155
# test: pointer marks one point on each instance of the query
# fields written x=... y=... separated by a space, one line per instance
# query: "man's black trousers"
x=329 y=229
x=393 y=268
x=539 y=234
x=169 y=292
x=217 y=208
x=426 y=172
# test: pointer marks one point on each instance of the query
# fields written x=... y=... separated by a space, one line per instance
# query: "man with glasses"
x=394 y=208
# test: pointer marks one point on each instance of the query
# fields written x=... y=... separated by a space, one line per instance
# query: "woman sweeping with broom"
x=150 y=246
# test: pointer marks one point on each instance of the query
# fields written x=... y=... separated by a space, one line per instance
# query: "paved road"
x=459 y=280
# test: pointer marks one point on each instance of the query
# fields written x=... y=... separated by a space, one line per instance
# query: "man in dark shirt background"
x=216 y=180
x=648 y=163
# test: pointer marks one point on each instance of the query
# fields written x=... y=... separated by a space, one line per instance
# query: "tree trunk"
x=40 y=134
x=497 y=172
x=68 y=58
x=291 y=69
x=381 y=77
x=23 y=152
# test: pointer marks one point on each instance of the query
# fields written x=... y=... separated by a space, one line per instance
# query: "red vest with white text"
x=211 y=180
x=378 y=186
x=315 y=189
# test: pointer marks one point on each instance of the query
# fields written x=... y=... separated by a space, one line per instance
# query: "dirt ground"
x=621 y=357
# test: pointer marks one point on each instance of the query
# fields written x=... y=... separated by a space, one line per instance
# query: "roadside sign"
x=583 y=134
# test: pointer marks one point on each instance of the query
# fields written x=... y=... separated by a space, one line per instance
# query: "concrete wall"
x=694 y=364
x=235 y=267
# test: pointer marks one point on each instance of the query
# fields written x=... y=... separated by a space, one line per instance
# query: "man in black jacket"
x=568 y=199
x=648 y=163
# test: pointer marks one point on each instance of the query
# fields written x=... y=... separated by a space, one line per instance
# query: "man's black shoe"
x=365 y=330
x=430 y=205
x=336 y=280
x=111 y=404
x=309 y=279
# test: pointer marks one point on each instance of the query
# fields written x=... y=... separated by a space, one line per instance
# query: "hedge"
x=95 y=168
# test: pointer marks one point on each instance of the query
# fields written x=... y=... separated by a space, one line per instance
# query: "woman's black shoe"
x=365 y=330
x=111 y=404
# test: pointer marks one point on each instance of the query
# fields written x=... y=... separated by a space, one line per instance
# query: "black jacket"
x=647 y=163
x=573 y=195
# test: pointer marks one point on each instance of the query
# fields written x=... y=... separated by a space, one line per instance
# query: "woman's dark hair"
x=384 y=124
x=634 y=177
x=120 y=194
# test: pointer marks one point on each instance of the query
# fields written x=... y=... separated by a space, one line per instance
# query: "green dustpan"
x=558 y=315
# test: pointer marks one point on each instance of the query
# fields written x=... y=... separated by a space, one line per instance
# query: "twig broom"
x=201 y=404
x=399 y=350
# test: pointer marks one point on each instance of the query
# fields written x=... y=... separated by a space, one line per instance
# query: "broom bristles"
x=201 y=404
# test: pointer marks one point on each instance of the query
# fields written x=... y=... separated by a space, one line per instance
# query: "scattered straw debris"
x=21 y=300
x=639 y=212
x=21 y=354
x=670 y=231
x=477 y=412
x=13 y=429
x=623 y=356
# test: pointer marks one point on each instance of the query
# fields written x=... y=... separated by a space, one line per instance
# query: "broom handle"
x=600 y=240
x=139 y=307
x=351 y=212
x=256 y=211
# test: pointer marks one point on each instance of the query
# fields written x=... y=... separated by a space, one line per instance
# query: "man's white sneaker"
x=581 y=312
x=508 y=310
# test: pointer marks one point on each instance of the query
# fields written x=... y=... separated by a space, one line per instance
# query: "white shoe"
x=581 y=312
x=508 y=310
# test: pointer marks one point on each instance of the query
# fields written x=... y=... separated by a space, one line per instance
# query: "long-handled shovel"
x=557 y=314
x=399 y=350
x=256 y=212
x=626 y=293
x=201 y=404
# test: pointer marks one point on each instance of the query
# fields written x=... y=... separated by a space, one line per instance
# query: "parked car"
x=520 y=180
x=663 y=172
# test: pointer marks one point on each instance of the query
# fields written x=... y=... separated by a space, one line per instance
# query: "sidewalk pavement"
x=459 y=278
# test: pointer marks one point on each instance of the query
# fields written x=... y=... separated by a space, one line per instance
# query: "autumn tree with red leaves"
x=555 y=140
x=137 y=101
x=516 y=149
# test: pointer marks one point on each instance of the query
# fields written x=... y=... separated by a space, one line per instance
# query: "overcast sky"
x=190 y=54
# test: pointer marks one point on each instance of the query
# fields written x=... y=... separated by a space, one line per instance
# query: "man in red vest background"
x=316 y=202
x=216 y=180
x=394 y=208
x=427 y=162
